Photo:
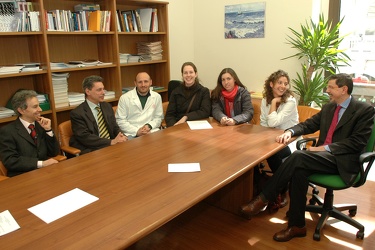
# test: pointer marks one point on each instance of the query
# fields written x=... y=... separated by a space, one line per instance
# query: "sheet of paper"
x=184 y=167
x=62 y=205
x=199 y=124
x=7 y=223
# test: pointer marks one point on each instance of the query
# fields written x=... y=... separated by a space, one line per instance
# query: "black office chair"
x=334 y=182
x=172 y=85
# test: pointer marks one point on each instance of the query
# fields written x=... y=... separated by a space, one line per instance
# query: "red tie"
x=33 y=132
x=332 y=127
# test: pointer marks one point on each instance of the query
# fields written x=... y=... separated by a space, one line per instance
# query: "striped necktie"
x=103 y=131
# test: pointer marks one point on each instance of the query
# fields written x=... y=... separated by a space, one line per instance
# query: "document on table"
x=7 y=223
x=62 y=205
x=199 y=124
x=184 y=167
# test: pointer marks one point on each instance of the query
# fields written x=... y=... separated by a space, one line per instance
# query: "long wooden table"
x=136 y=193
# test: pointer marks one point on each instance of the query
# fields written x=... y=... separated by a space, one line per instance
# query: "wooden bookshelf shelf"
x=45 y=47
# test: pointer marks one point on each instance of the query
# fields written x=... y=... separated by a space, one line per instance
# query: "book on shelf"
x=94 y=20
x=145 y=15
x=157 y=88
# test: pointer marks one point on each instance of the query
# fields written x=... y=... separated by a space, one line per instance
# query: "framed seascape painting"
x=244 y=20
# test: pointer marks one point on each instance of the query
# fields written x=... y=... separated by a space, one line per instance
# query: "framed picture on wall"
x=244 y=20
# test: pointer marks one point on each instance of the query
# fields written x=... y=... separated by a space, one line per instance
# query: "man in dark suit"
x=93 y=121
x=27 y=143
x=337 y=152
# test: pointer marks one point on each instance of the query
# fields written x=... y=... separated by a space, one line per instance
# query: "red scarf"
x=229 y=99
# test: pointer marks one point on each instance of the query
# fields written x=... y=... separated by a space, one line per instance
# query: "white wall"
x=197 y=34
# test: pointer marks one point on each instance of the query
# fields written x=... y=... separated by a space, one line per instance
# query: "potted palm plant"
x=318 y=48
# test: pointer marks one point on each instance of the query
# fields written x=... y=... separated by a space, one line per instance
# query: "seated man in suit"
x=93 y=121
x=28 y=142
x=345 y=126
x=140 y=110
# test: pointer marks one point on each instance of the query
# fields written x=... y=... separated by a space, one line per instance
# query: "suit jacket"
x=18 y=151
x=349 y=138
x=85 y=128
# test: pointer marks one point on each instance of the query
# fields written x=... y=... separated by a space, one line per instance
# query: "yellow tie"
x=103 y=131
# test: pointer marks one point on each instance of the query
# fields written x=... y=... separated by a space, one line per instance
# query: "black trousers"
x=296 y=169
x=274 y=162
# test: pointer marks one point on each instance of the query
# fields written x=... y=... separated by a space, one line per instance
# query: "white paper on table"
x=199 y=124
x=62 y=205
x=184 y=167
x=7 y=223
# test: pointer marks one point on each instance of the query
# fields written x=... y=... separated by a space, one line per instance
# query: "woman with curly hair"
x=279 y=110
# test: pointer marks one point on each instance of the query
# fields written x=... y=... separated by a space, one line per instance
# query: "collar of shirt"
x=344 y=105
x=26 y=124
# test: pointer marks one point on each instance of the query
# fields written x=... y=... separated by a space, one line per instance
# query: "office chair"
x=334 y=182
x=163 y=123
x=65 y=132
x=172 y=85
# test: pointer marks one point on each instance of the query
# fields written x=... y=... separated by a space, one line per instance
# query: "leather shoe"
x=289 y=233
x=255 y=206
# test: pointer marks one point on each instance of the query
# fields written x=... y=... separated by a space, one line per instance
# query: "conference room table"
x=136 y=192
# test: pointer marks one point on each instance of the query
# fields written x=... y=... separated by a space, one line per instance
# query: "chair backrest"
x=114 y=109
x=165 y=106
x=367 y=159
x=305 y=112
x=172 y=85
x=3 y=170
x=65 y=132
x=256 y=115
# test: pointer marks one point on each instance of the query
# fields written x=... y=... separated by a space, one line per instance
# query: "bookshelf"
x=45 y=47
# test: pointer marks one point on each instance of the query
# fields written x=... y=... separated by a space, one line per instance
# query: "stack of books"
x=10 y=69
x=124 y=57
x=60 y=89
x=134 y=58
x=27 y=67
x=5 y=112
x=150 y=51
x=109 y=94
x=75 y=98
x=43 y=102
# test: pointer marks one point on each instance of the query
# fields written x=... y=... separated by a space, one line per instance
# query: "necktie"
x=103 y=131
x=33 y=133
x=333 y=125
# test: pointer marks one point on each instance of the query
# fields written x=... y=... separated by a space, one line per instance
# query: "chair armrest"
x=71 y=150
x=366 y=157
x=59 y=158
x=301 y=144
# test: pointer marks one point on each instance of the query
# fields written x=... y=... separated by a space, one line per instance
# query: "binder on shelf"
x=145 y=16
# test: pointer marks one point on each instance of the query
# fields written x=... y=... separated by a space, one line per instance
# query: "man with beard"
x=140 y=110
